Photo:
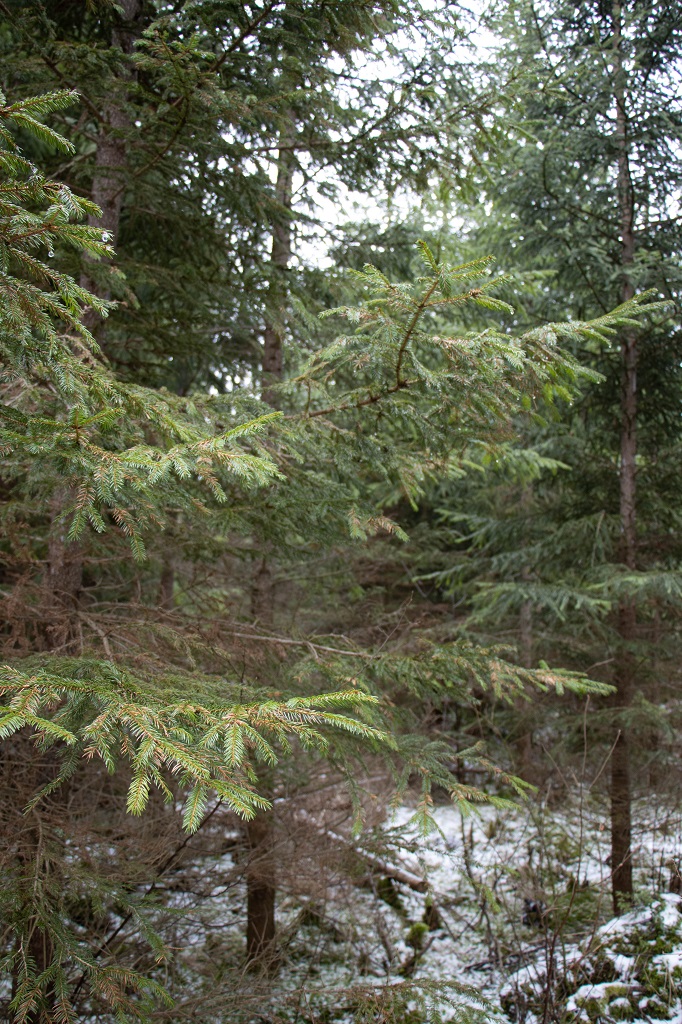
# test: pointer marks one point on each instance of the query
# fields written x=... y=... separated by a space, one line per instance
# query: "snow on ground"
x=508 y=885
x=514 y=896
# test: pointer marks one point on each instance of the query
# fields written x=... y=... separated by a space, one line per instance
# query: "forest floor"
x=515 y=896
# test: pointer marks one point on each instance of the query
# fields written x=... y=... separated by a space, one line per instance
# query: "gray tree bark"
x=261 y=878
x=64 y=575
x=621 y=788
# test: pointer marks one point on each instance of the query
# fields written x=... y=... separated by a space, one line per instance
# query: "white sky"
x=356 y=206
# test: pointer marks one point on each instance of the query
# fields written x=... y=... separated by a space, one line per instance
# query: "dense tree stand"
x=317 y=534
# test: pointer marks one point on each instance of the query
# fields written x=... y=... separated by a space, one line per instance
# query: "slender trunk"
x=524 y=743
x=261 y=875
x=261 y=871
x=261 y=891
x=109 y=177
x=35 y=945
x=526 y=630
x=110 y=167
x=169 y=562
x=166 y=586
x=41 y=951
x=30 y=843
x=273 y=334
x=63 y=579
x=621 y=789
x=111 y=157
x=621 y=810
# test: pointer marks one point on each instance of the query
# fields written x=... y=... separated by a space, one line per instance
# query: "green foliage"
x=68 y=418
x=532 y=550
x=206 y=747
x=202 y=94
x=63 y=411
x=39 y=302
x=171 y=678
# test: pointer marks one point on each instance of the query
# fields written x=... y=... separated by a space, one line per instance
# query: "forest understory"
x=340 y=530
x=512 y=897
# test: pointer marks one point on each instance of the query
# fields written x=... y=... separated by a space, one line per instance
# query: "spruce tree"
x=185 y=115
x=188 y=728
x=66 y=418
x=586 y=189
x=187 y=674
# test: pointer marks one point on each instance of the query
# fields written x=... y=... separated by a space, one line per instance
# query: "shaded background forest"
x=268 y=594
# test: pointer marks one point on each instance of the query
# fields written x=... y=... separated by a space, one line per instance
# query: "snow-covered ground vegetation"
x=503 y=914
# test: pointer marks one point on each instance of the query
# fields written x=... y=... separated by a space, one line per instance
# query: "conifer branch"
x=418 y=313
x=361 y=403
x=245 y=33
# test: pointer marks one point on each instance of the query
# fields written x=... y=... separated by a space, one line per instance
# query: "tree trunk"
x=32 y=858
x=38 y=946
x=111 y=160
x=621 y=809
x=63 y=579
x=261 y=891
x=41 y=951
x=167 y=586
x=261 y=876
x=261 y=871
x=273 y=334
x=524 y=743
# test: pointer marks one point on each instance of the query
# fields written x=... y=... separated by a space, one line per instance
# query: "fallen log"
x=378 y=865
